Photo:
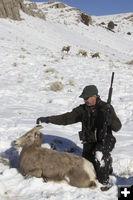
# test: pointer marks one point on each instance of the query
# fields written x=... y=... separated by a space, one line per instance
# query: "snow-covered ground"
x=31 y=60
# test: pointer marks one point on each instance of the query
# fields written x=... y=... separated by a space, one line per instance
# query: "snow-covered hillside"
x=32 y=63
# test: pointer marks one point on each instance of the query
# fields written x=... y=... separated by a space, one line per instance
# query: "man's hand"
x=42 y=119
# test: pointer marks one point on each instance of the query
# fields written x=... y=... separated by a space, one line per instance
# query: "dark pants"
x=99 y=155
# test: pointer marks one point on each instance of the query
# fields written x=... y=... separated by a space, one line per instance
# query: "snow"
x=28 y=49
x=99 y=156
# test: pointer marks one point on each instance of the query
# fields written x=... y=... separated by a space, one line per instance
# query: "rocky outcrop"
x=11 y=9
x=31 y=8
x=63 y=9
x=86 y=19
x=57 y=4
x=130 y=18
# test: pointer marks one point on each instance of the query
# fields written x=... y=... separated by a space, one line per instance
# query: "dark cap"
x=89 y=91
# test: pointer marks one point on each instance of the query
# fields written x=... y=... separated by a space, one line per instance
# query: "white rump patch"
x=67 y=179
x=89 y=168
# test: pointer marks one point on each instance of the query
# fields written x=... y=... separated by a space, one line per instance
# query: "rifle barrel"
x=112 y=78
x=110 y=89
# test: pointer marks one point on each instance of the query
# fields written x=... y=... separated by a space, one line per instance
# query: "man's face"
x=91 y=101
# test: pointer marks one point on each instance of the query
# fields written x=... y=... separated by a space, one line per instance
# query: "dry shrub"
x=20 y=79
x=23 y=49
x=14 y=64
x=22 y=56
x=4 y=161
x=102 y=23
x=52 y=70
x=130 y=62
x=71 y=82
x=56 y=86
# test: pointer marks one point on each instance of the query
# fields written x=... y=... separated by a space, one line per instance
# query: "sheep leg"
x=79 y=178
x=45 y=179
x=35 y=172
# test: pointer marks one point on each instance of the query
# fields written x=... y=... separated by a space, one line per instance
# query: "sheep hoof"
x=45 y=179
x=27 y=176
x=105 y=188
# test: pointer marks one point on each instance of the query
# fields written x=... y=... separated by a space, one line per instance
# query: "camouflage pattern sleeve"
x=116 y=123
x=67 y=118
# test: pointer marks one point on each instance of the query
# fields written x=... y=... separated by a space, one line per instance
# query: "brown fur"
x=83 y=52
x=54 y=166
x=95 y=55
x=31 y=137
x=66 y=48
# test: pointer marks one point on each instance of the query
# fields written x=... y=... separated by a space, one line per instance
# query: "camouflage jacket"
x=92 y=118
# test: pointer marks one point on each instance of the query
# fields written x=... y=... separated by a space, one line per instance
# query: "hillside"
x=38 y=79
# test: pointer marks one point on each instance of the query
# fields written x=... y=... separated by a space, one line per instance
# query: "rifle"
x=110 y=90
x=106 y=123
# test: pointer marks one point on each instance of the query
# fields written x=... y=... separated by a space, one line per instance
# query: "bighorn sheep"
x=66 y=48
x=95 y=55
x=82 y=52
x=52 y=165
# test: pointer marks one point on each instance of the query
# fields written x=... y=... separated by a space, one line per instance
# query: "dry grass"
x=22 y=56
x=4 y=161
x=56 y=86
x=52 y=70
x=71 y=82
x=14 y=64
x=23 y=49
x=130 y=62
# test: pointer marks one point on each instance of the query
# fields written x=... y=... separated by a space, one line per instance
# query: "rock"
x=86 y=19
x=10 y=9
x=57 y=5
x=111 y=25
x=32 y=9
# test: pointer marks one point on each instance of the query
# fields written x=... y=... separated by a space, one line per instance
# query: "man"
x=97 y=144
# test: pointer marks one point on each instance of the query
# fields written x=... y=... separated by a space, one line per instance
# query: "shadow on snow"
x=123 y=180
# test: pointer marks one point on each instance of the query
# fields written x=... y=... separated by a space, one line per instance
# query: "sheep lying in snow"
x=52 y=165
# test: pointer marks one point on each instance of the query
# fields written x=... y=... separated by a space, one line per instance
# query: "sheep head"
x=32 y=137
